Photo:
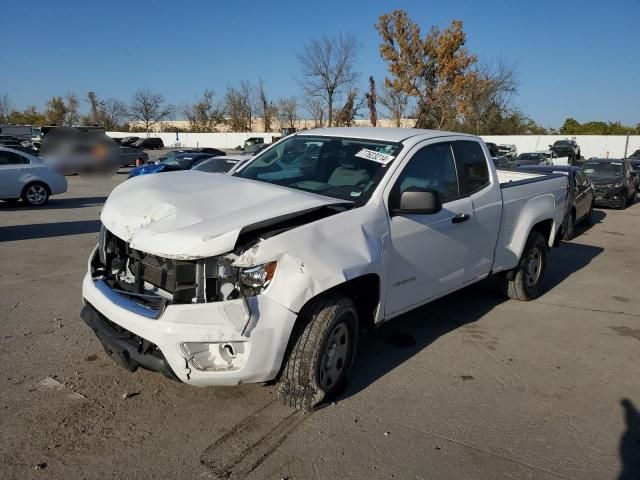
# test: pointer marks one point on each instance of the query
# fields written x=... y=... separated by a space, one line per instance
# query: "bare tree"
x=288 y=112
x=148 y=108
x=264 y=108
x=347 y=114
x=239 y=107
x=5 y=108
x=372 y=98
x=72 y=117
x=94 y=109
x=396 y=102
x=328 y=68
x=315 y=108
x=205 y=114
x=112 y=113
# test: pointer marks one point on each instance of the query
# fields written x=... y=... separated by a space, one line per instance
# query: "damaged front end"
x=154 y=282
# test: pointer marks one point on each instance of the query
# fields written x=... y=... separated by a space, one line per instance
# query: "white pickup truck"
x=269 y=273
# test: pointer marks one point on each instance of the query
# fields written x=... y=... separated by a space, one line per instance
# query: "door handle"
x=460 y=217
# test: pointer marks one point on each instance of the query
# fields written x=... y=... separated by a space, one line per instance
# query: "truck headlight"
x=259 y=277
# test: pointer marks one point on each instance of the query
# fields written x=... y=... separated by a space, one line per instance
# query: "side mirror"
x=416 y=201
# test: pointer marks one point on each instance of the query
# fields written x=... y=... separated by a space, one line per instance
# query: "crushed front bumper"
x=164 y=343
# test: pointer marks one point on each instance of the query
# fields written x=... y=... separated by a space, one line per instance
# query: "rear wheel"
x=320 y=353
x=35 y=194
x=570 y=227
x=524 y=282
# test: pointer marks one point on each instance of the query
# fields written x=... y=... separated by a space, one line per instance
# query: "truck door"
x=483 y=225
x=427 y=253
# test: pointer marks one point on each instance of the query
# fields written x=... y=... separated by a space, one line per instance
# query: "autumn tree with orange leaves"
x=432 y=69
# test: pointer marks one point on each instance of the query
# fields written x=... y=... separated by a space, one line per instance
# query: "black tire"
x=35 y=194
x=517 y=282
x=623 y=201
x=304 y=381
x=570 y=227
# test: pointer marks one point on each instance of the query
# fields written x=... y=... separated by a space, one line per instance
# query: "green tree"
x=56 y=111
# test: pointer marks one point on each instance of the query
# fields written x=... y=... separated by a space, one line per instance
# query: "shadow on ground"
x=395 y=342
x=630 y=443
x=56 y=204
x=47 y=230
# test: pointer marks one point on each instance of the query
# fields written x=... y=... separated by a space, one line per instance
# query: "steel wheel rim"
x=335 y=356
x=533 y=266
x=36 y=194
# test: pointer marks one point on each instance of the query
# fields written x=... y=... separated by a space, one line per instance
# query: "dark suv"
x=566 y=148
x=148 y=143
x=614 y=180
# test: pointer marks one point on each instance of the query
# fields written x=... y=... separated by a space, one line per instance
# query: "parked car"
x=269 y=273
x=533 y=158
x=635 y=167
x=181 y=161
x=501 y=162
x=213 y=152
x=27 y=177
x=566 y=148
x=127 y=141
x=148 y=143
x=226 y=164
x=493 y=149
x=635 y=154
x=132 y=156
x=581 y=199
x=508 y=150
x=615 y=182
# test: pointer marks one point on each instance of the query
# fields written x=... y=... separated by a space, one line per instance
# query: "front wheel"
x=623 y=201
x=525 y=281
x=320 y=353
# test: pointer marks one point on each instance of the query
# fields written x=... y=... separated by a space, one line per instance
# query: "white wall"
x=612 y=146
x=215 y=140
x=604 y=146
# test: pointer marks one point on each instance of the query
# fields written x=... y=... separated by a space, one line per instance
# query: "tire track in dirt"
x=248 y=444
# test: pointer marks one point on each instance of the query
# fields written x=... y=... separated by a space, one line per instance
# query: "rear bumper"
x=159 y=343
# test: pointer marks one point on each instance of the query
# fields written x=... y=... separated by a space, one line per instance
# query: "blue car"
x=180 y=161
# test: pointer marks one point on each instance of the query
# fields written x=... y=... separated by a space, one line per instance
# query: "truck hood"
x=191 y=214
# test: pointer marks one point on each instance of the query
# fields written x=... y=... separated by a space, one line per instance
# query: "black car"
x=635 y=155
x=127 y=141
x=581 y=199
x=635 y=165
x=534 y=158
x=615 y=182
x=213 y=152
x=148 y=143
x=566 y=148
x=493 y=149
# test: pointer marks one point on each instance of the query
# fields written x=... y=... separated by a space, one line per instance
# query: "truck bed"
x=525 y=198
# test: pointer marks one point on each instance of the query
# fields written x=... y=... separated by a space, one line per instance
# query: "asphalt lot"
x=471 y=386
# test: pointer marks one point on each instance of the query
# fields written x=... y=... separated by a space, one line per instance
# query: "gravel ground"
x=471 y=386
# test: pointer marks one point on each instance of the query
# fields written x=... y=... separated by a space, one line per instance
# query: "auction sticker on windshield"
x=379 y=157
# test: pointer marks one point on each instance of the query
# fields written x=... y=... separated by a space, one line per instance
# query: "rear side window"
x=473 y=172
x=10 y=158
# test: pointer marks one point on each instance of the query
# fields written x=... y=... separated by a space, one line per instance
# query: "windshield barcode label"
x=383 y=158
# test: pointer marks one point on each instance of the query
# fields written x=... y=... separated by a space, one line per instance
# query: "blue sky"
x=574 y=58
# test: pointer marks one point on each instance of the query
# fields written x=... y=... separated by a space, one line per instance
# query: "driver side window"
x=431 y=168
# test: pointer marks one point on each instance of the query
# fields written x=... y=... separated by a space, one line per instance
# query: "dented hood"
x=190 y=214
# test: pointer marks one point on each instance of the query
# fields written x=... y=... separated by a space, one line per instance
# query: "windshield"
x=216 y=165
x=562 y=143
x=603 y=168
x=529 y=156
x=182 y=161
x=344 y=168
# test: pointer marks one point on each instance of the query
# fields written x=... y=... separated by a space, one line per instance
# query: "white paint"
x=604 y=146
x=417 y=258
